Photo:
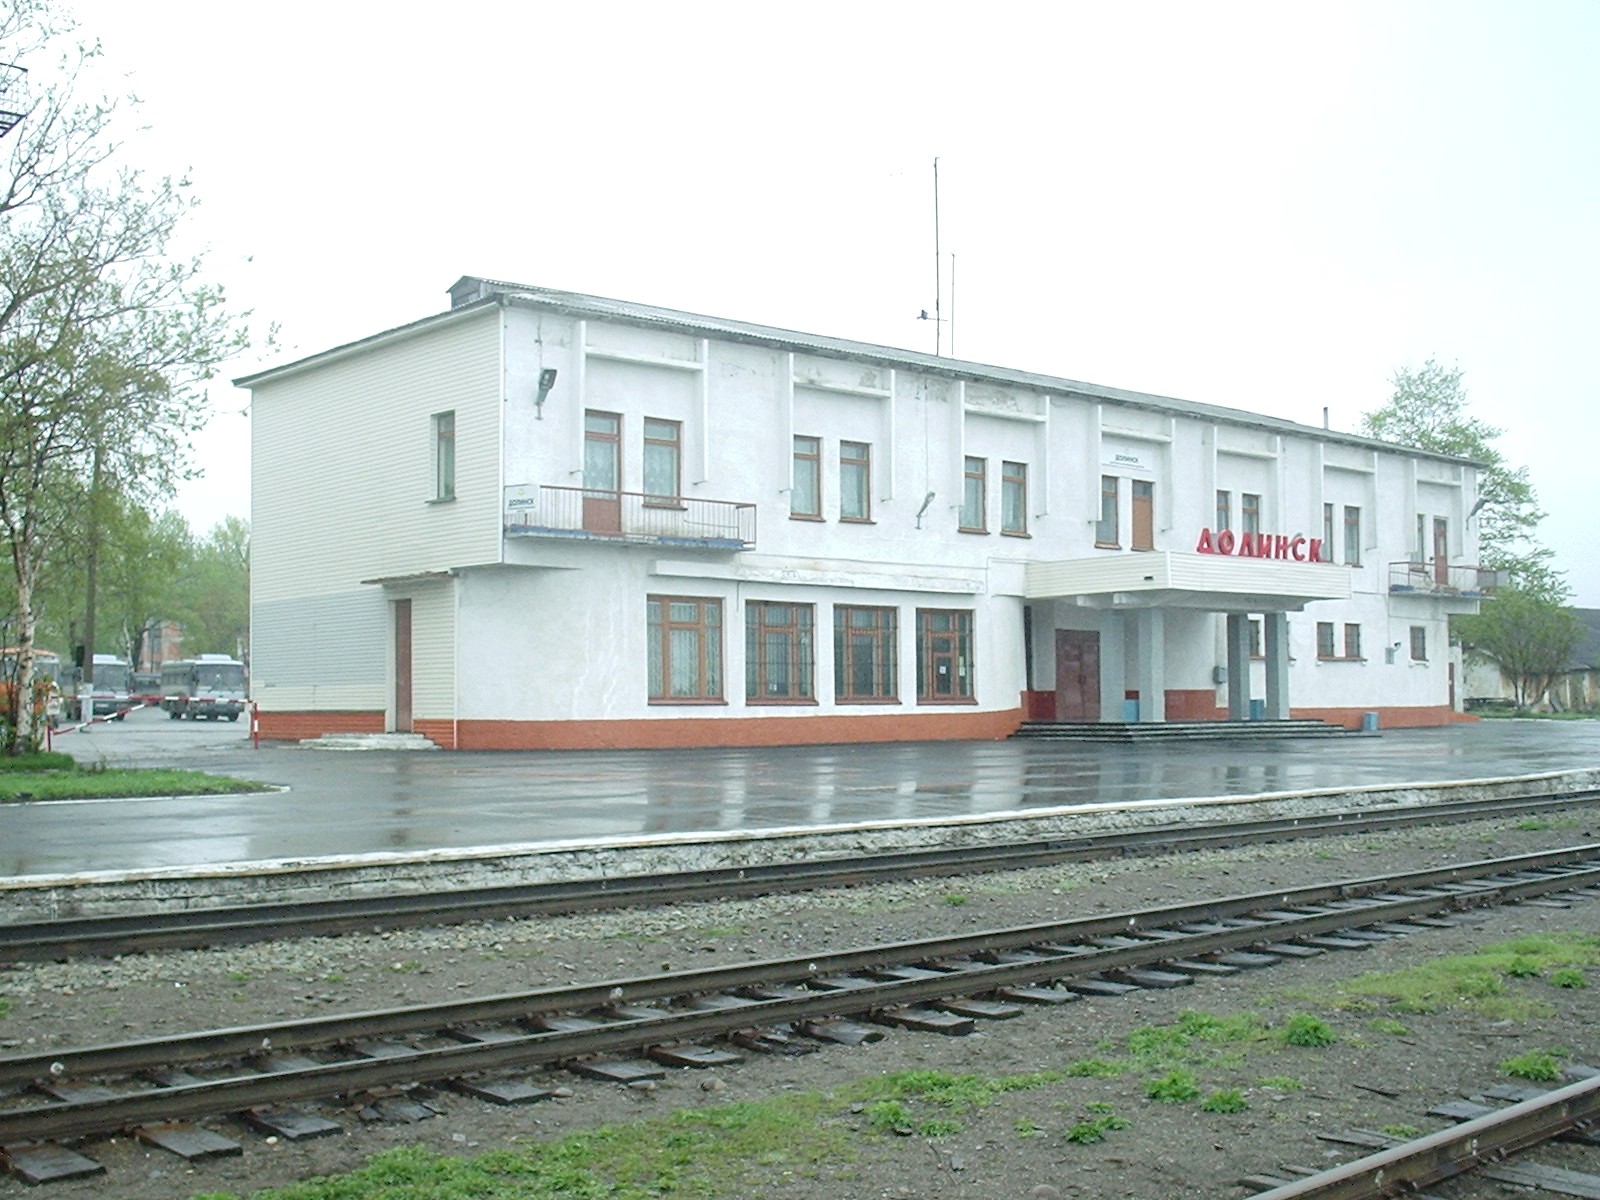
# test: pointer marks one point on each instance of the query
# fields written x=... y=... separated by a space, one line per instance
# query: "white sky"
x=1265 y=205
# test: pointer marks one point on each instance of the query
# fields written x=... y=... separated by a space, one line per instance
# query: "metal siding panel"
x=321 y=652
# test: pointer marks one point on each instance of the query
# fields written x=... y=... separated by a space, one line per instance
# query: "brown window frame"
x=1110 y=501
x=1352 y=535
x=958 y=658
x=862 y=463
x=1352 y=640
x=1419 y=643
x=974 y=471
x=1325 y=645
x=1013 y=498
x=883 y=632
x=611 y=438
x=807 y=465
x=710 y=661
x=1140 y=539
x=799 y=664
x=1249 y=513
x=672 y=445
x=1224 y=513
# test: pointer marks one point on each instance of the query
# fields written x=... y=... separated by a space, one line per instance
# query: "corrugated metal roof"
x=650 y=316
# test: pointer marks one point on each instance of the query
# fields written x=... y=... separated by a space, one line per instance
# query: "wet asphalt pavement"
x=340 y=803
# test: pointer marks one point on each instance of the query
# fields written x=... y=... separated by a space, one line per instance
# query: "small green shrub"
x=1095 y=1068
x=888 y=1115
x=1568 y=977
x=955 y=899
x=1228 y=1100
x=1522 y=967
x=1389 y=1026
x=1536 y=1065
x=1175 y=1087
x=1095 y=1129
x=1302 y=1029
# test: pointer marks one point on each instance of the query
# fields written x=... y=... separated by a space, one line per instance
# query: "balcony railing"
x=1440 y=579
x=591 y=514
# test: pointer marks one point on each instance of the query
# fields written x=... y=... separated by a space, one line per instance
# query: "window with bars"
x=779 y=651
x=865 y=654
x=1352 y=641
x=1419 y=643
x=684 y=646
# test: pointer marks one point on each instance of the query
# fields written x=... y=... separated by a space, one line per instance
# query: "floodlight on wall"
x=547 y=380
x=926 y=500
x=1482 y=500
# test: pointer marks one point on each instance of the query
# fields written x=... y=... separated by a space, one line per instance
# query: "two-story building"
x=543 y=519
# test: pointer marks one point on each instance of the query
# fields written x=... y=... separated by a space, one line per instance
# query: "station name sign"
x=1259 y=545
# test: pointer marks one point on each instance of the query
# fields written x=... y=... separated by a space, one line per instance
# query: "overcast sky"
x=1264 y=205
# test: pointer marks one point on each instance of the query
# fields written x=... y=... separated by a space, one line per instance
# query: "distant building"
x=1576 y=689
x=543 y=519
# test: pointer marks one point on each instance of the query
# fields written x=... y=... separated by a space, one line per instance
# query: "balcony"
x=1438 y=578
x=586 y=514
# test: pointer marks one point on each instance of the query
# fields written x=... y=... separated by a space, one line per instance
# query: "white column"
x=1150 y=649
x=1238 y=666
x=1276 y=637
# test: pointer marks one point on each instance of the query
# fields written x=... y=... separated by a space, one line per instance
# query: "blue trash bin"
x=1369 y=722
x=1258 y=710
x=1130 y=711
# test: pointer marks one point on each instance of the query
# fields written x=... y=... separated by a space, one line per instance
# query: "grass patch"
x=956 y=1093
x=1390 y=1026
x=1474 y=982
x=1304 y=1030
x=1228 y=1100
x=1538 y=1065
x=1194 y=1037
x=1568 y=977
x=1404 y=1132
x=1095 y=1068
x=1284 y=1083
x=955 y=899
x=5 y=1008
x=56 y=776
x=1175 y=1087
x=1100 y=1121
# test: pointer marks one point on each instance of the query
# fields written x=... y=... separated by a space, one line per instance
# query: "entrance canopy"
x=1170 y=579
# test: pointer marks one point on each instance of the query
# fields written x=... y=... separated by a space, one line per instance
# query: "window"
x=975 y=483
x=1324 y=639
x=1250 y=513
x=779 y=651
x=685 y=648
x=1327 y=533
x=602 y=451
x=1419 y=643
x=1256 y=650
x=855 y=481
x=1422 y=538
x=1144 y=515
x=444 y=456
x=805 y=500
x=1014 y=498
x=662 y=460
x=944 y=655
x=1105 y=530
x=865 y=642
x=1352 y=535
x=1224 y=511
x=1352 y=641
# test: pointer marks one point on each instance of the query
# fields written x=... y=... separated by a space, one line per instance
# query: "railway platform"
x=382 y=811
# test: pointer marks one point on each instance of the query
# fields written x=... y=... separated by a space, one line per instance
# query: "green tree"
x=143 y=559
x=1527 y=635
x=213 y=604
x=105 y=338
x=1428 y=411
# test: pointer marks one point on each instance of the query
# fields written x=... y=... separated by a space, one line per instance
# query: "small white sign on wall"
x=1124 y=458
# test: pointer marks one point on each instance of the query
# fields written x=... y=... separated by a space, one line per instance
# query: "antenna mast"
x=938 y=323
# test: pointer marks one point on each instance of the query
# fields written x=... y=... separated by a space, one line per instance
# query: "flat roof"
x=495 y=292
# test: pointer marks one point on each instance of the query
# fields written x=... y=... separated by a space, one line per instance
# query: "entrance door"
x=602 y=472
x=1441 y=551
x=402 y=666
x=1144 y=515
x=1077 y=675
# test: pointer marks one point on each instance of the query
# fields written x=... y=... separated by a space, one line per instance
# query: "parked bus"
x=46 y=685
x=208 y=685
x=109 y=694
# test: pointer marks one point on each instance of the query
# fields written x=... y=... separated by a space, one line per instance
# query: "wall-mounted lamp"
x=926 y=500
x=547 y=380
x=1391 y=652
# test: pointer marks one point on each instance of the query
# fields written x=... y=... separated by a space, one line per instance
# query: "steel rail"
x=1451 y=1152
x=190 y=928
x=782 y=1002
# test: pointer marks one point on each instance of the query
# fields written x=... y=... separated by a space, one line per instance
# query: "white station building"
x=549 y=520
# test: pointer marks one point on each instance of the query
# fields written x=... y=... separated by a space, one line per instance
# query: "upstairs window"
x=855 y=481
x=1352 y=535
x=974 y=486
x=1250 y=513
x=805 y=499
x=602 y=451
x=1105 y=529
x=444 y=456
x=1144 y=515
x=1224 y=517
x=1327 y=533
x=663 y=460
x=1014 y=498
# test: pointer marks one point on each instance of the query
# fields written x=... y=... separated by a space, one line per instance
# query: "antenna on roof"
x=938 y=316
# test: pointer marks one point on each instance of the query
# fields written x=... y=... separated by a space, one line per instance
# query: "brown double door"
x=1077 y=675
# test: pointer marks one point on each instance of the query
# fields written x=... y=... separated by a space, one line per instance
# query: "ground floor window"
x=684 y=648
x=1352 y=641
x=944 y=655
x=1419 y=643
x=779 y=651
x=865 y=667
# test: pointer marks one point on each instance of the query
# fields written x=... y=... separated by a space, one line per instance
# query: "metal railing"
x=585 y=513
x=1439 y=579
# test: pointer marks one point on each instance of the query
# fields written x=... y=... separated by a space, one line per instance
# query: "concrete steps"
x=369 y=741
x=1177 y=731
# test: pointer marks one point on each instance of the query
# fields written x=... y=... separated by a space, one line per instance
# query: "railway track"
x=192 y=928
x=1482 y=1144
x=498 y=1047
